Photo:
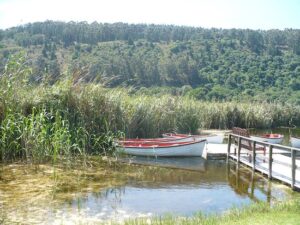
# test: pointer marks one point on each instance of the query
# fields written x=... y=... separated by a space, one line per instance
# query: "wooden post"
x=270 y=161
x=253 y=155
x=239 y=149
x=269 y=192
x=252 y=184
x=227 y=171
x=237 y=173
x=229 y=146
x=293 y=168
x=234 y=138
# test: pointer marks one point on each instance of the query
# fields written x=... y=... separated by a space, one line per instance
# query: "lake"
x=95 y=191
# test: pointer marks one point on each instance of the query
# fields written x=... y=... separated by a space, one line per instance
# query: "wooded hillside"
x=220 y=64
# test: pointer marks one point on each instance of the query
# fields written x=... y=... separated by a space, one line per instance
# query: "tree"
x=255 y=41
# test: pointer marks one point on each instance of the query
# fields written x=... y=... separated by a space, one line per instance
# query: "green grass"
x=260 y=214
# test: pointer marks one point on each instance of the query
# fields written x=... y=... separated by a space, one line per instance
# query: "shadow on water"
x=181 y=186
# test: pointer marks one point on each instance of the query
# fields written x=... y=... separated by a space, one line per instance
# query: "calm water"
x=102 y=191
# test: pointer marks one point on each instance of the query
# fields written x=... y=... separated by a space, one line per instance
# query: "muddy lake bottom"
x=98 y=191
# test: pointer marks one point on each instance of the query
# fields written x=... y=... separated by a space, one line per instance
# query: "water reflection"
x=188 y=163
x=214 y=187
x=88 y=194
x=247 y=183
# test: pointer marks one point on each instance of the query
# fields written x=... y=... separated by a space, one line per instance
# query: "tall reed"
x=46 y=122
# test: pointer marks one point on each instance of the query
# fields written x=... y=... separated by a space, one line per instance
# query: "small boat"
x=271 y=138
x=213 y=138
x=167 y=149
x=147 y=140
x=295 y=142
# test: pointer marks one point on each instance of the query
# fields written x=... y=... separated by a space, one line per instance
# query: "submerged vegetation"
x=42 y=122
x=103 y=190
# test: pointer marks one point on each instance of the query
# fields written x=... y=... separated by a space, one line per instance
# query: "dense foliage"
x=203 y=63
x=42 y=121
x=39 y=123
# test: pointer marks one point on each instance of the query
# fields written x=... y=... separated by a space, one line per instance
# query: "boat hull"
x=277 y=140
x=295 y=142
x=189 y=149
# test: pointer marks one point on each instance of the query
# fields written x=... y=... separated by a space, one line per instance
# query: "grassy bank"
x=64 y=119
x=256 y=214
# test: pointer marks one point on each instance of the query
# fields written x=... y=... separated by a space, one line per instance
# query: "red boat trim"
x=272 y=135
x=187 y=135
x=152 y=139
x=267 y=136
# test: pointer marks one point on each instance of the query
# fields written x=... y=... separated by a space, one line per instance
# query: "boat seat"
x=246 y=144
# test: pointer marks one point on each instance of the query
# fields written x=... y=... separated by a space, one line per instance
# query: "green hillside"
x=219 y=64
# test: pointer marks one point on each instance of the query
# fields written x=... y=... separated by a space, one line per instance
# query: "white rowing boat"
x=271 y=138
x=213 y=138
x=295 y=142
x=167 y=149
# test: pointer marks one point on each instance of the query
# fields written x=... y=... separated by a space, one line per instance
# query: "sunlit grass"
x=257 y=214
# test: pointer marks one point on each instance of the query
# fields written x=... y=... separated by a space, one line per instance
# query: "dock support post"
x=239 y=149
x=253 y=155
x=270 y=161
x=229 y=147
x=227 y=171
x=237 y=172
x=293 y=156
x=252 y=184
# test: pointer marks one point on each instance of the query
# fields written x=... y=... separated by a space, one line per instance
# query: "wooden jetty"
x=215 y=151
x=275 y=161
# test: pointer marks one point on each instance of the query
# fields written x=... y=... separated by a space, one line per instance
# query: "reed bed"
x=100 y=110
x=45 y=122
x=51 y=121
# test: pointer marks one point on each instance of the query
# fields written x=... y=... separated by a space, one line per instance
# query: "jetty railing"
x=249 y=151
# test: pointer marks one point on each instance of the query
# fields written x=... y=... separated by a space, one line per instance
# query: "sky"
x=252 y=14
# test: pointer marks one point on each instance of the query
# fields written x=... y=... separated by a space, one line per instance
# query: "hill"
x=220 y=64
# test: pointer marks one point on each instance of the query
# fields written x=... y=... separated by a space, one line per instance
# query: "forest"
x=204 y=64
